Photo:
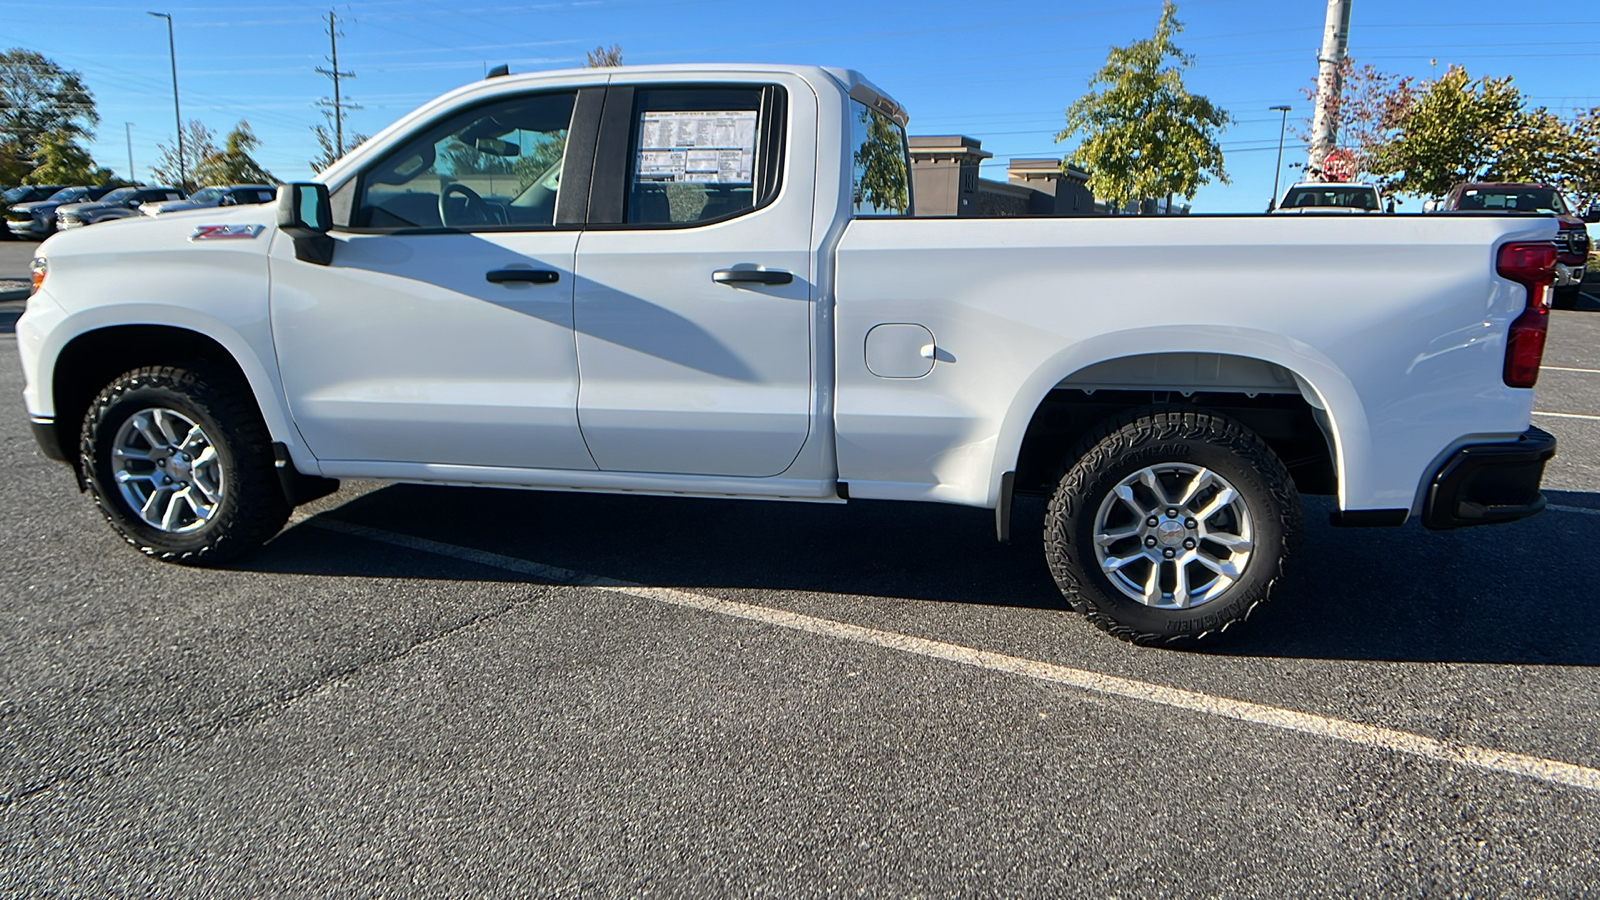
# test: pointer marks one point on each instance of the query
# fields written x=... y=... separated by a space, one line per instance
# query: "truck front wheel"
x=180 y=463
x=1170 y=525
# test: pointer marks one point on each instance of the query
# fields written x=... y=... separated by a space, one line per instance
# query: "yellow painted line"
x=1373 y=736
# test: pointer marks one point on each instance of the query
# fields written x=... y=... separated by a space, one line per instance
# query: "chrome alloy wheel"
x=1173 y=536
x=168 y=470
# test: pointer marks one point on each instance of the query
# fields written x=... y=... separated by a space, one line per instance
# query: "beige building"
x=945 y=182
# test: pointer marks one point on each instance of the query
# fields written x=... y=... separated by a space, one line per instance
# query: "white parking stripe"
x=1485 y=758
x=1566 y=415
x=1567 y=369
x=1575 y=509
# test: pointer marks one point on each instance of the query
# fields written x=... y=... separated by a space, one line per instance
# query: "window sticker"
x=710 y=147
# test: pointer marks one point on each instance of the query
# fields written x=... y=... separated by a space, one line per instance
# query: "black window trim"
x=581 y=131
x=613 y=163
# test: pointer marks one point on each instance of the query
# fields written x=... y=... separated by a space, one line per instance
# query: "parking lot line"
x=1485 y=758
x=1570 y=369
x=1566 y=415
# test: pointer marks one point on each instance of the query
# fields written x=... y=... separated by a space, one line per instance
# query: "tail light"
x=1534 y=267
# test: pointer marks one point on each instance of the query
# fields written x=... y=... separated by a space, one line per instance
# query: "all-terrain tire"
x=251 y=507
x=1186 y=440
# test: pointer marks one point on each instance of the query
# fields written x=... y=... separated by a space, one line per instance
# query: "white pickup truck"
x=705 y=281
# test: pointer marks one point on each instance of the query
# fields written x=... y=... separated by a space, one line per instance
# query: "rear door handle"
x=529 y=276
x=752 y=276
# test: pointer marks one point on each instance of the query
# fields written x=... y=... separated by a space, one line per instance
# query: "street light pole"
x=1271 y=204
x=177 y=117
x=127 y=128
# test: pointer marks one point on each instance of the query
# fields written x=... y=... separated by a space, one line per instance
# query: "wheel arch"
x=90 y=358
x=1189 y=365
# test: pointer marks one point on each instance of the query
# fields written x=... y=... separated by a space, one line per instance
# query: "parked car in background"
x=27 y=193
x=217 y=195
x=37 y=220
x=1572 y=241
x=119 y=204
x=1332 y=197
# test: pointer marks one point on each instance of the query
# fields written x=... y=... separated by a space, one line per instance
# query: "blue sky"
x=1001 y=74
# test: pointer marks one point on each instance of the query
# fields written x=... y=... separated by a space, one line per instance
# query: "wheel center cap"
x=180 y=465
x=1171 y=532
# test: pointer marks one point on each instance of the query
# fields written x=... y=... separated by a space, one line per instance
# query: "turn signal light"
x=39 y=267
x=1532 y=265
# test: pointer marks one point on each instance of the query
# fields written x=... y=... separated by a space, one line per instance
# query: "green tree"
x=59 y=159
x=327 y=153
x=1144 y=134
x=199 y=142
x=604 y=57
x=38 y=98
x=1459 y=129
x=232 y=163
x=880 y=163
x=1585 y=176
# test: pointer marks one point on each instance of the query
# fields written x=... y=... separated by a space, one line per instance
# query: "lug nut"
x=1188 y=544
x=161 y=462
x=1169 y=553
x=1152 y=521
x=1190 y=523
x=1172 y=514
x=1149 y=542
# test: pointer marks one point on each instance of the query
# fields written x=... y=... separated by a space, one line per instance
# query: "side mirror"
x=228 y=201
x=1430 y=206
x=305 y=214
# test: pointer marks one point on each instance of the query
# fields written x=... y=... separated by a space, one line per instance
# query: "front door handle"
x=529 y=276
x=752 y=276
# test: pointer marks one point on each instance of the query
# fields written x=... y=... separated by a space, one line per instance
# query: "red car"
x=1572 y=242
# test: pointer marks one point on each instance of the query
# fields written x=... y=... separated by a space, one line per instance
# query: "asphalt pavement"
x=450 y=691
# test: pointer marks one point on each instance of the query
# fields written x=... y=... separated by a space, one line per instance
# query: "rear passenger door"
x=693 y=308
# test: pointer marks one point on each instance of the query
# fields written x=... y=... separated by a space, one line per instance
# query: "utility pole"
x=1324 y=118
x=177 y=117
x=337 y=104
x=127 y=128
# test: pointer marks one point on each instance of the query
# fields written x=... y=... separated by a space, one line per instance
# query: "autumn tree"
x=1366 y=112
x=1459 y=129
x=39 y=98
x=604 y=57
x=1144 y=134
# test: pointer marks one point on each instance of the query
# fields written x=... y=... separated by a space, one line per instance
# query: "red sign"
x=1340 y=165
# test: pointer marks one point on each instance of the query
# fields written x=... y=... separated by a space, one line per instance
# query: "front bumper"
x=49 y=440
x=1485 y=484
x=30 y=228
x=1566 y=275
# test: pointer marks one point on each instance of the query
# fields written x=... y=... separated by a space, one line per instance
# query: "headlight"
x=39 y=266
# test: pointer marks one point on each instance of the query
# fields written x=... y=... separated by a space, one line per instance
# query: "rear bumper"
x=1484 y=484
x=1569 y=275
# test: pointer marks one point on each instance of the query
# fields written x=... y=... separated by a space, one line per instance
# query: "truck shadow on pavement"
x=1522 y=593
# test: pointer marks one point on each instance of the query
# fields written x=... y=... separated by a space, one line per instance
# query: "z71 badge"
x=225 y=232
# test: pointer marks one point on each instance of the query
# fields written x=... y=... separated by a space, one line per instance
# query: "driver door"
x=441 y=333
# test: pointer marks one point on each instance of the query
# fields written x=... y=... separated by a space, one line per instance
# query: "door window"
x=496 y=165
x=698 y=155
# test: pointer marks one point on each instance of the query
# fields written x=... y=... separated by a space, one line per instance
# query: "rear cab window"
x=880 y=180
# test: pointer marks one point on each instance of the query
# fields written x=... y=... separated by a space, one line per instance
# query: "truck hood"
x=197 y=231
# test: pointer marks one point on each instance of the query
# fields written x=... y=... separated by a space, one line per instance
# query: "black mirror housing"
x=305 y=214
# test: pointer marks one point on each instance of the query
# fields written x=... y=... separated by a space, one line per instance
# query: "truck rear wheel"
x=1171 y=525
x=180 y=463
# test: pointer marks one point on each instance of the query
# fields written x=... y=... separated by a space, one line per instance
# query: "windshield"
x=119 y=195
x=208 y=195
x=1347 y=197
x=67 y=195
x=1540 y=200
x=17 y=193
